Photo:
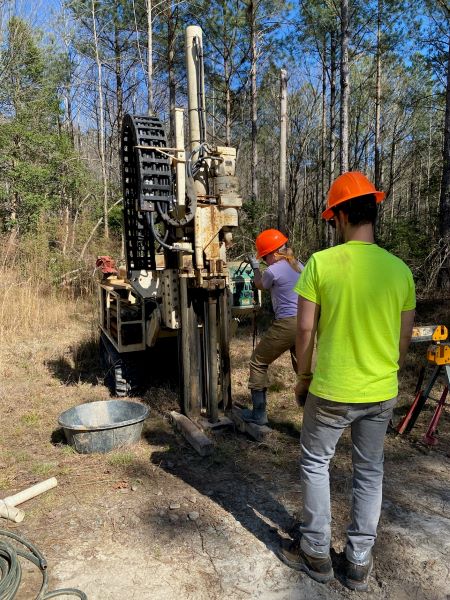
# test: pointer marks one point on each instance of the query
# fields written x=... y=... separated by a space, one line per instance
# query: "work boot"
x=258 y=414
x=319 y=569
x=357 y=576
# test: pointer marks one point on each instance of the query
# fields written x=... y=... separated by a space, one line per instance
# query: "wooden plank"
x=222 y=423
x=119 y=283
x=198 y=440
x=257 y=432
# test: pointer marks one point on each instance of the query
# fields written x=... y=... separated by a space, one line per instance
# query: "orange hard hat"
x=347 y=186
x=268 y=241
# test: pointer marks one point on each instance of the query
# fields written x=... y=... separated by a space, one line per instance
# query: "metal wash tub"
x=103 y=426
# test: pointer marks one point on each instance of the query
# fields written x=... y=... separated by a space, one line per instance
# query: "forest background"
x=368 y=89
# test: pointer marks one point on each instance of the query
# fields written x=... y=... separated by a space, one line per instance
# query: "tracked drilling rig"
x=180 y=207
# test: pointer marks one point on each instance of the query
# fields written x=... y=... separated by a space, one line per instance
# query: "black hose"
x=151 y=222
x=11 y=571
x=166 y=232
x=191 y=207
x=240 y=269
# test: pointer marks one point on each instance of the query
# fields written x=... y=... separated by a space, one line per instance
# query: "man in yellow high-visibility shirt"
x=360 y=301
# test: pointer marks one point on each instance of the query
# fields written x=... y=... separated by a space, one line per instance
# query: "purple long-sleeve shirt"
x=280 y=278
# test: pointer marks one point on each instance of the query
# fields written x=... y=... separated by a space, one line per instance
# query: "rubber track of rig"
x=146 y=177
x=122 y=374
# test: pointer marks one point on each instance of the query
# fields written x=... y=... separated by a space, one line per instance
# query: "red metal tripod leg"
x=429 y=438
x=401 y=427
x=419 y=402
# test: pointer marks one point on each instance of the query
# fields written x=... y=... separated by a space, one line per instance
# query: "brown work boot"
x=357 y=576
x=292 y=555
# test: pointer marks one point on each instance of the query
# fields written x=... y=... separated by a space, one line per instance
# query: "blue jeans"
x=323 y=424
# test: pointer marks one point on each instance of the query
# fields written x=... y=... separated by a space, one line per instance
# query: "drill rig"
x=180 y=207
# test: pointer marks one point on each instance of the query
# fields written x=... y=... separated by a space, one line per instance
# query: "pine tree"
x=35 y=154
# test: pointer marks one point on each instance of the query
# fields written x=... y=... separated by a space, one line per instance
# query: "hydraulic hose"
x=159 y=240
x=166 y=232
x=242 y=266
x=11 y=570
x=190 y=208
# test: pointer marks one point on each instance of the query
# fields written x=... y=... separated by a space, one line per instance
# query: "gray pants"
x=323 y=424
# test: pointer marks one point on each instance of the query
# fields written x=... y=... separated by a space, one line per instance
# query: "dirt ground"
x=156 y=521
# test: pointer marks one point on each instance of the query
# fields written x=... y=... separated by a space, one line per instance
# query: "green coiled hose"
x=11 y=570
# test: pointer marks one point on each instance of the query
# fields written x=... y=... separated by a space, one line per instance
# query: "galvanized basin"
x=102 y=426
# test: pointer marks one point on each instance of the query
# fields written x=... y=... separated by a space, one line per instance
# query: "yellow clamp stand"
x=439 y=354
x=430 y=333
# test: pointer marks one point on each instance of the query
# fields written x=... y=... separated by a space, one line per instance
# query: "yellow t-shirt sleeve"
x=410 y=300
x=307 y=286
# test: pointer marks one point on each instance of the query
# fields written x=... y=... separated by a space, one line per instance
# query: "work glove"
x=254 y=262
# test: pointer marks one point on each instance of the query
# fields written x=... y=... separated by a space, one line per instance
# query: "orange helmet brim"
x=329 y=214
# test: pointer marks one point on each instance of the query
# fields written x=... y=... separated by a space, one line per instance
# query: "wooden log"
x=257 y=432
x=198 y=440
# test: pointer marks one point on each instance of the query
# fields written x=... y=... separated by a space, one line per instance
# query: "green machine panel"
x=245 y=297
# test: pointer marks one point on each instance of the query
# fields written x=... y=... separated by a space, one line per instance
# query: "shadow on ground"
x=80 y=364
x=247 y=484
x=153 y=368
x=286 y=428
x=259 y=498
x=58 y=438
x=250 y=496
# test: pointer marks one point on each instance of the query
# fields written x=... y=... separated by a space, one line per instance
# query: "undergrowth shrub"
x=39 y=286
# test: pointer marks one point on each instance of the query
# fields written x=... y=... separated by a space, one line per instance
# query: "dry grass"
x=49 y=362
x=48 y=340
x=33 y=300
x=30 y=306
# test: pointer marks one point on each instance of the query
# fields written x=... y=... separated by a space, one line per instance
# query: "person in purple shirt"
x=280 y=277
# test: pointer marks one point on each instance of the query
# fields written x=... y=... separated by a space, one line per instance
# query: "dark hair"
x=360 y=211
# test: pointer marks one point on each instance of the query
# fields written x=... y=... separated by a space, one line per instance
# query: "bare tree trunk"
x=172 y=16
x=94 y=229
x=254 y=99
x=226 y=77
x=324 y=121
x=317 y=204
x=14 y=199
x=444 y=200
x=283 y=152
x=101 y=124
x=427 y=193
x=118 y=74
x=150 y=106
x=419 y=190
x=69 y=114
x=213 y=116
x=345 y=87
x=66 y=215
x=75 y=219
x=226 y=70
x=356 y=133
x=392 y=182
x=378 y=165
x=332 y=138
